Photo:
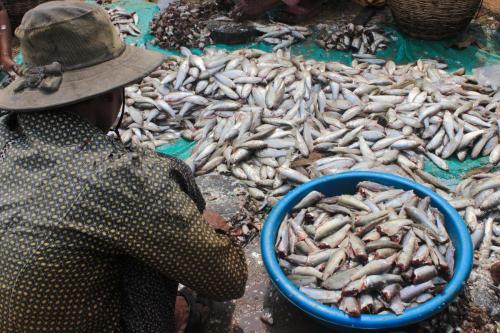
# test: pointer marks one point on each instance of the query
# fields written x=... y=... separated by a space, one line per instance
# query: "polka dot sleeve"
x=149 y=217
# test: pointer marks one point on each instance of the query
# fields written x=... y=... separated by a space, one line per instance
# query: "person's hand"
x=249 y=9
x=215 y=220
x=8 y=65
x=298 y=7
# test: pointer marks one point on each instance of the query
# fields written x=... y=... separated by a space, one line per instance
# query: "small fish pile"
x=355 y=38
x=478 y=201
x=281 y=35
x=149 y=121
x=125 y=22
x=183 y=24
x=381 y=250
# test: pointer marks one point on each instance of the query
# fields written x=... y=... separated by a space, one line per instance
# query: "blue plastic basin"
x=345 y=183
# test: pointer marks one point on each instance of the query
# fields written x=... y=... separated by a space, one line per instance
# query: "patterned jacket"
x=72 y=202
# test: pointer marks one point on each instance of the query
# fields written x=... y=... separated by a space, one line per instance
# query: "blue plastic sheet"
x=181 y=149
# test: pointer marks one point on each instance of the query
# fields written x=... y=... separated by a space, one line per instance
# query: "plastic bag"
x=488 y=76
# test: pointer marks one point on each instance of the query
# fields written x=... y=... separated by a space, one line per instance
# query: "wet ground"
x=261 y=302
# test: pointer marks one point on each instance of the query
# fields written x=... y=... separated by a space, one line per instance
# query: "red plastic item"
x=248 y=9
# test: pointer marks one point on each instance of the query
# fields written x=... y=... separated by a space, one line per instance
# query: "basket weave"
x=17 y=9
x=433 y=19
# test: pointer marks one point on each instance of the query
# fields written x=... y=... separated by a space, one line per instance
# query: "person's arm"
x=5 y=41
x=145 y=213
x=176 y=241
x=186 y=248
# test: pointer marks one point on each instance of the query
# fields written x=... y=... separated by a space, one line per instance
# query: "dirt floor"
x=262 y=308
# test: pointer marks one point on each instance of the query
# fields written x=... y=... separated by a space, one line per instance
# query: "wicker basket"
x=17 y=9
x=433 y=19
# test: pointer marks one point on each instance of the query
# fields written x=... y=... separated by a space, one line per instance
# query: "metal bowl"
x=345 y=183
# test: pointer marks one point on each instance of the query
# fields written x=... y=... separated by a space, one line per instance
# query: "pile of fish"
x=382 y=249
x=281 y=35
x=183 y=24
x=356 y=38
x=275 y=121
x=251 y=109
x=125 y=22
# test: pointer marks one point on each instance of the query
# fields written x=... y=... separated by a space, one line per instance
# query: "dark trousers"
x=149 y=298
x=148 y=304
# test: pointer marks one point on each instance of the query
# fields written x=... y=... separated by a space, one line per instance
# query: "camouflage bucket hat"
x=72 y=52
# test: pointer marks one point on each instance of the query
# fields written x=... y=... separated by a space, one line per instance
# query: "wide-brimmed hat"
x=72 y=52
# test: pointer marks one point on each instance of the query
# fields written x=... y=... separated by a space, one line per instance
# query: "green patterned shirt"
x=72 y=202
